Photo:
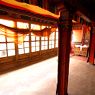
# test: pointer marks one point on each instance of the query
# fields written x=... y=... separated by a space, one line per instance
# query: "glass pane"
x=45 y=47
x=56 y=37
x=56 y=33
x=46 y=38
x=21 y=51
x=10 y=39
x=50 y=46
x=37 y=38
x=42 y=43
x=26 y=50
x=37 y=49
x=33 y=49
x=22 y=25
x=3 y=53
x=35 y=27
x=2 y=46
x=56 y=44
x=26 y=38
x=42 y=47
x=33 y=43
x=11 y=52
x=32 y=38
x=50 y=42
x=52 y=38
x=9 y=23
x=42 y=38
x=37 y=43
x=20 y=45
x=10 y=45
x=2 y=38
x=46 y=43
x=26 y=44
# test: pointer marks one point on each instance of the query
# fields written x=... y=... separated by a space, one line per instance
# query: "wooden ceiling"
x=86 y=7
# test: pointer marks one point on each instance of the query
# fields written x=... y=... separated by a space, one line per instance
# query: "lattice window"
x=22 y=25
x=7 y=45
x=35 y=43
x=51 y=40
x=56 y=45
x=44 y=43
x=23 y=47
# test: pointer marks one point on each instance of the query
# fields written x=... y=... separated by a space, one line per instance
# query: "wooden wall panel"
x=10 y=63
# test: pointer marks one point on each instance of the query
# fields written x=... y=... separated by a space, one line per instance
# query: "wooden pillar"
x=45 y=4
x=65 y=28
x=92 y=46
x=30 y=40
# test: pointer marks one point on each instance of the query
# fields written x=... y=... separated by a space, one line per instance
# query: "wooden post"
x=65 y=28
x=45 y=4
x=92 y=46
x=30 y=40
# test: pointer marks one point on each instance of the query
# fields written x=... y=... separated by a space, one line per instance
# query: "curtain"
x=15 y=33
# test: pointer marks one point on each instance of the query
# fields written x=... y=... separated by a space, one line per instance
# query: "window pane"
x=42 y=38
x=42 y=47
x=35 y=27
x=56 y=35
x=46 y=43
x=26 y=50
x=37 y=49
x=11 y=52
x=32 y=38
x=20 y=45
x=37 y=38
x=33 y=43
x=37 y=43
x=33 y=49
x=3 y=53
x=10 y=45
x=45 y=47
x=3 y=46
x=2 y=38
x=46 y=38
x=9 y=23
x=21 y=51
x=50 y=47
x=22 y=25
x=26 y=44
x=56 y=44
x=42 y=43
x=50 y=42
x=26 y=38
x=10 y=39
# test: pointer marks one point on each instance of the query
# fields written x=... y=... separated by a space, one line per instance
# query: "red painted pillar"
x=92 y=46
x=65 y=28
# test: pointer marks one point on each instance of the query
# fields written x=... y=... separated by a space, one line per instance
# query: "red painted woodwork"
x=65 y=27
x=92 y=49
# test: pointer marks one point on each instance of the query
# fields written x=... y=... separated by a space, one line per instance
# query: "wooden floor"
x=38 y=79
x=41 y=79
